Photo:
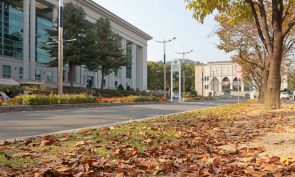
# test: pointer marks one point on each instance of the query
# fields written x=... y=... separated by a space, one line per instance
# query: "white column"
x=32 y=39
x=109 y=86
x=95 y=80
x=144 y=69
x=98 y=79
x=139 y=68
x=133 y=69
x=113 y=80
x=55 y=71
x=123 y=70
x=26 y=68
x=81 y=75
x=66 y=76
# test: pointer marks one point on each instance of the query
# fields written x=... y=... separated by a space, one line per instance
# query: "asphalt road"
x=22 y=124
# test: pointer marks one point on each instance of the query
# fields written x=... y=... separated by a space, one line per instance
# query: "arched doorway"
x=225 y=84
x=215 y=84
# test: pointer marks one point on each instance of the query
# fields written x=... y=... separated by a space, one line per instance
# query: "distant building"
x=169 y=62
x=219 y=77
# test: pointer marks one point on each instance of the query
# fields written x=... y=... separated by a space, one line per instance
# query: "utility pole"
x=60 y=49
x=164 y=42
x=183 y=72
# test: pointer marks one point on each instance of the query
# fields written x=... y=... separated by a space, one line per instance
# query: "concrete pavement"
x=21 y=124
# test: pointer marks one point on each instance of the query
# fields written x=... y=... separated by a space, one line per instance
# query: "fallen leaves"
x=3 y=148
x=166 y=146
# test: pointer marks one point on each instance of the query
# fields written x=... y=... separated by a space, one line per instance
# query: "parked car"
x=247 y=95
x=284 y=95
x=176 y=96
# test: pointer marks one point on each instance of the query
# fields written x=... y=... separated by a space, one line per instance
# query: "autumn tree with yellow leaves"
x=274 y=20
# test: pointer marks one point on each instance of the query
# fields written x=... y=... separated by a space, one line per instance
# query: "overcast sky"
x=170 y=18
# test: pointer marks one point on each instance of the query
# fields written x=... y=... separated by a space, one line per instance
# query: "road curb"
x=70 y=106
x=200 y=100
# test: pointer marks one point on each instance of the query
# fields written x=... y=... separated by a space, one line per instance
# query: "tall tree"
x=111 y=55
x=76 y=27
x=275 y=13
x=250 y=52
x=153 y=70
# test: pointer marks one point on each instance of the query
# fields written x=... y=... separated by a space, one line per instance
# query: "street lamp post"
x=60 y=48
x=184 y=72
x=164 y=42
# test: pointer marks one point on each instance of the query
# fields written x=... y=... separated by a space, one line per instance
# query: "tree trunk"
x=272 y=100
x=263 y=92
x=102 y=77
x=71 y=75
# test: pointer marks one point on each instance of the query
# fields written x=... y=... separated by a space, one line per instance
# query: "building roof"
x=169 y=62
x=220 y=62
x=111 y=16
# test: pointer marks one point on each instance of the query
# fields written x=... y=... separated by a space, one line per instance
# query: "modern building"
x=219 y=77
x=23 y=24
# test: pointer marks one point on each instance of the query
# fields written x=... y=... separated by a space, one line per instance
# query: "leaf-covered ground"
x=233 y=140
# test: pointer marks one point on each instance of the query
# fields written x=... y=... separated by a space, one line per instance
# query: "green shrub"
x=128 y=88
x=120 y=87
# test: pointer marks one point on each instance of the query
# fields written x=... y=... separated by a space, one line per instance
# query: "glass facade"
x=43 y=22
x=128 y=68
x=11 y=25
x=11 y=29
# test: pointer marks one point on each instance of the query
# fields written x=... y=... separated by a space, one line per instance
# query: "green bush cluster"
x=51 y=99
x=120 y=87
x=142 y=99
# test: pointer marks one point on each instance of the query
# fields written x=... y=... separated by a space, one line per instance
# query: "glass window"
x=38 y=74
x=21 y=73
x=11 y=23
x=49 y=76
x=128 y=68
x=116 y=84
x=104 y=82
x=225 y=84
x=128 y=71
x=117 y=72
x=6 y=71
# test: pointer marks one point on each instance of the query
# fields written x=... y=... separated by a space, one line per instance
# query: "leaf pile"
x=188 y=144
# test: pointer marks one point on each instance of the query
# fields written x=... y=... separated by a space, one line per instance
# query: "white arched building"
x=219 y=77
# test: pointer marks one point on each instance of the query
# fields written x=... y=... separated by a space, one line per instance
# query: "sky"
x=169 y=19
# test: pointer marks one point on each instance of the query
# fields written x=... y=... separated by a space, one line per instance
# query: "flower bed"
x=72 y=99
x=129 y=99
x=199 y=98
